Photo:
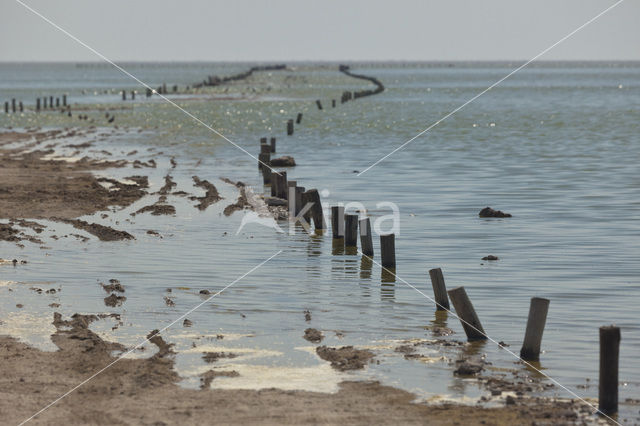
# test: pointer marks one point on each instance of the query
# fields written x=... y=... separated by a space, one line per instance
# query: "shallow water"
x=556 y=145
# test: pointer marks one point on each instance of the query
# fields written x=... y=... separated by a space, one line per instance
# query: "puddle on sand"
x=32 y=329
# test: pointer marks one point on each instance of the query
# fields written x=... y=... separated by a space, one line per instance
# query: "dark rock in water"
x=345 y=358
x=286 y=161
x=113 y=300
x=491 y=257
x=187 y=323
x=205 y=292
x=313 y=335
x=468 y=367
x=489 y=212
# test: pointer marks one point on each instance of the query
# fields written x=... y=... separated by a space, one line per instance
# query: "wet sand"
x=145 y=391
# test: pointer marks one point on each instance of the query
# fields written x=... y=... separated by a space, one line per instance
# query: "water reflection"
x=337 y=246
x=387 y=284
x=365 y=267
x=474 y=348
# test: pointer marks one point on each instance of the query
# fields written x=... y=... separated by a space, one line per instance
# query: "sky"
x=290 y=30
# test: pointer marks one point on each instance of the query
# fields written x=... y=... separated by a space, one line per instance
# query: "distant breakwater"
x=214 y=80
x=362 y=93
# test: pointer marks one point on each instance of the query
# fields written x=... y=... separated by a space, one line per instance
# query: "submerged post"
x=319 y=104
x=351 y=230
x=609 y=356
x=64 y=100
x=468 y=317
x=299 y=118
x=57 y=102
x=20 y=106
x=124 y=95
x=439 y=289
x=366 y=239
x=333 y=103
x=273 y=144
x=388 y=250
x=133 y=95
x=51 y=102
x=37 y=104
x=535 y=326
x=289 y=127
x=13 y=104
x=6 y=107
x=337 y=221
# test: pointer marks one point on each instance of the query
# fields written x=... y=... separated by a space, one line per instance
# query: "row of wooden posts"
x=19 y=107
x=346 y=227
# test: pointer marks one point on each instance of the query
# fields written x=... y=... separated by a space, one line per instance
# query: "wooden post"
x=279 y=185
x=609 y=355
x=265 y=149
x=20 y=107
x=175 y=88
x=6 y=107
x=366 y=239
x=124 y=95
x=38 y=105
x=57 y=102
x=45 y=102
x=319 y=104
x=535 y=326
x=164 y=88
x=337 y=221
x=266 y=176
x=291 y=197
x=263 y=141
x=289 y=127
x=351 y=230
x=312 y=196
x=439 y=289
x=13 y=104
x=388 y=250
x=299 y=118
x=298 y=199
x=133 y=95
x=466 y=313
x=273 y=144
x=149 y=92
x=264 y=158
x=333 y=103
x=51 y=102
x=64 y=100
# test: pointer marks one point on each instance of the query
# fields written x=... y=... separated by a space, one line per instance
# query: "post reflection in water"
x=365 y=267
x=387 y=284
x=314 y=245
x=337 y=246
x=439 y=324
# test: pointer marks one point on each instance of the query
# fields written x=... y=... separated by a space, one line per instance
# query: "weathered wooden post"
x=319 y=104
x=299 y=118
x=175 y=88
x=37 y=104
x=264 y=160
x=20 y=107
x=263 y=141
x=266 y=176
x=609 y=357
x=133 y=95
x=273 y=144
x=439 y=289
x=44 y=102
x=51 y=102
x=289 y=127
x=6 y=107
x=265 y=149
x=64 y=100
x=149 y=92
x=468 y=317
x=351 y=230
x=279 y=185
x=333 y=103
x=57 y=102
x=388 y=250
x=366 y=239
x=337 y=221
x=535 y=326
x=124 y=95
x=291 y=196
x=298 y=197
x=13 y=104
x=312 y=196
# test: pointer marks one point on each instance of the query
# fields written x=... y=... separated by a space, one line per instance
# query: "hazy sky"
x=148 y=30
